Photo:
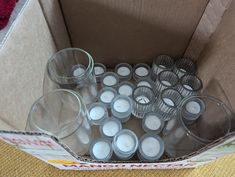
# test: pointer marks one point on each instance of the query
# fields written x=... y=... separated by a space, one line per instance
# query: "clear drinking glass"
x=183 y=138
x=143 y=100
x=63 y=114
x=73 y=69
x=166 y=79
x=184 y=66
x=168 y=103
x=189 y=85
x=161 y=63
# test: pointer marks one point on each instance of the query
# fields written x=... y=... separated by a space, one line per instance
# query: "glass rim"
x=179 y=61
x=102 y=66
x=161 y=143
x=132 y=134
x=161 y=97
x=124 y=65
x=191 y=75
x=215 y=100
x=151 y=100
x=53 y=57
x=101 y=139
x=169 y=71
x=159 y=57
x=78 y=100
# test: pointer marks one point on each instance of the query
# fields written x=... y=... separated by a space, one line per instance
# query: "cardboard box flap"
x=23 y=59
x=133 y=31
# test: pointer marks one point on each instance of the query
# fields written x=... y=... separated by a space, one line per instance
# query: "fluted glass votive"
x=189 y=85
x=166 y=79
x=143 y=100
x=184 y=66
x=161 y=63
x=168 y=102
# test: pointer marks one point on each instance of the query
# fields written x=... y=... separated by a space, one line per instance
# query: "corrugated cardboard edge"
x=60 y=156
x=4 y=33
x=206 y=27
x=56 y=23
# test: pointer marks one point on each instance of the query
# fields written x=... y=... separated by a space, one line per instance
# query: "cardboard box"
x=113 y=31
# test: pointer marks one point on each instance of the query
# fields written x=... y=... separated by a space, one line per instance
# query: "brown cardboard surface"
x=119 y=30
x=206 y=27
x=56 y=23
x=23 y=59
x=217 y=60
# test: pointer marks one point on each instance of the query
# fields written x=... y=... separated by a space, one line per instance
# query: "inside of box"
x=115 y=32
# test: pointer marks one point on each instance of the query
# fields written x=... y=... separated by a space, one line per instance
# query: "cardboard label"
x=49 y=150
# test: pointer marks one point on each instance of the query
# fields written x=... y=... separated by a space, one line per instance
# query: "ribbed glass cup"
x=166 y=79
x=184 y=66
x=143 y=100
x=161 y=63
x=189 y=85
x=168 y=102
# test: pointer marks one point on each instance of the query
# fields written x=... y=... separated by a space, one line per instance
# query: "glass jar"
x=62 y=113
x=182 y=138
x=73 y=69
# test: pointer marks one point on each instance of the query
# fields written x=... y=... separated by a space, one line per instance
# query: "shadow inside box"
x=113 y=35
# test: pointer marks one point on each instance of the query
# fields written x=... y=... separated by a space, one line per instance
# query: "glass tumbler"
x=183 y=138
x=189 y=85
x=143 y=100
x=184 y=66
x=63 y=114
x=161 y=63
x=168 y=103
x=73 y=69
x=166 y=79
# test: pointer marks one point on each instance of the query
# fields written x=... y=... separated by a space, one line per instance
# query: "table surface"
x=15 y=163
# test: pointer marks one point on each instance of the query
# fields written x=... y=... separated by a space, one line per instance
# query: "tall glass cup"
x=182 y=138
x=63 y=114
x=73 y=69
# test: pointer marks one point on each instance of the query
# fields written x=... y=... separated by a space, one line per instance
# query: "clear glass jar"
x=73 y=69
x=182 y=138
x=63 y=114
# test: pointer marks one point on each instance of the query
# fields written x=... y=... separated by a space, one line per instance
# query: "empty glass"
x=161 y=63
x=73 y=69
x=141 y=71
x=183 y=138
x=184 y=66
x=124 y=71
x=166 y=79
x=143 y=100
x=189 y=85
x=168 y=103
x=63 y=114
